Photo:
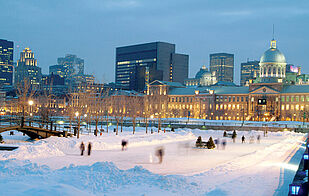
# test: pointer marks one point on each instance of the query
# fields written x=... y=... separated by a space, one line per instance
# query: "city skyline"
x=67 y=32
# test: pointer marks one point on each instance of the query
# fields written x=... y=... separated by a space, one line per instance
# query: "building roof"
x=273 y=55
x=182 y=91
x=230 y=89
x=217 y=90
x=172 y=84
x=295 y=89
x=224 y=83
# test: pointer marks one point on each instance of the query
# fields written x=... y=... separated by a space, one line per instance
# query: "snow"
x=53 y=166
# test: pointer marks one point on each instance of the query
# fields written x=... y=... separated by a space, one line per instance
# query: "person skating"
x=82 y=148
x=243 y=139
x=124 y=144
x=89 y=148
x=160 y=154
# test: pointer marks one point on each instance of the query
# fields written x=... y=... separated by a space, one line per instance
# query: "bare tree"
x=147 y=110
x=24 y=94
x=134 y=108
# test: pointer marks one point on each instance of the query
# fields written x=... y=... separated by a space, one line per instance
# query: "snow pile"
x=102 y=178
x=56 y=146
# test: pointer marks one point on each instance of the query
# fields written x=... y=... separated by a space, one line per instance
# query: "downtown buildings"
x=6 y=62
x=139 y=65
x=222 y=64
x=249 y=71
x=27 y=69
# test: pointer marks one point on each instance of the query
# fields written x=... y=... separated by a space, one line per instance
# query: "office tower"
x=138 y=65
x=27 y=69
x=223 y=66
x=68 y=66
x=249 y=70
x=6 y=62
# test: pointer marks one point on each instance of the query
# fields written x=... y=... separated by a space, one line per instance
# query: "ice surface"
x=53 y=166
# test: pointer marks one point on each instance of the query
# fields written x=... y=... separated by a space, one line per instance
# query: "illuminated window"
x=292 y=99
x=297 y=98
x=282 y=98
x=287 y=98
x=302 y=98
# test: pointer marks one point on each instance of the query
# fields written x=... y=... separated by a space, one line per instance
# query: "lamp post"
x=30 y=102
x=78 y=123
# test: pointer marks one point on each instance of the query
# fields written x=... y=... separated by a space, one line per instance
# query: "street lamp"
x=30 y=102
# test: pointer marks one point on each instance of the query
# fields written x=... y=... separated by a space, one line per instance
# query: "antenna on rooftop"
x=273 y=31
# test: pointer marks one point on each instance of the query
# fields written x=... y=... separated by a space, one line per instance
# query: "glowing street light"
x=76 y=114
x=30 y=102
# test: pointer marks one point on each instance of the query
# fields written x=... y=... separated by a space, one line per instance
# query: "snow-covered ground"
x=54 y=166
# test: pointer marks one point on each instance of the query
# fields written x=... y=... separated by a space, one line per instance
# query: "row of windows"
x=231 y=98
x=296 y=107
x=180 y=99
x=294 y=98
x=229 y=106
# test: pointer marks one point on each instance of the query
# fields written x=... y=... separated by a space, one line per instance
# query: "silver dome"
x=272 y=55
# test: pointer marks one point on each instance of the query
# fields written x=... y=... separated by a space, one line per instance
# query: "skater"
x=223 y=144
x=258 y=138
x=234 y=135
x=89 y=148
x=124 y=144
x=243 y=139
x=82 y=148
x=160 y=154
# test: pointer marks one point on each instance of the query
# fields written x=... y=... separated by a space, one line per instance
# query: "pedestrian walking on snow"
x=89 y=148
x=82 y=148
x=124 y=144
x=160 y=154
x=243 y=139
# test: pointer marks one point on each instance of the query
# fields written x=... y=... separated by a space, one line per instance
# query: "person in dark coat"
x=160 y=154
x=243 y=139
x=124 y=144
x=89 y=148
x=82 y=148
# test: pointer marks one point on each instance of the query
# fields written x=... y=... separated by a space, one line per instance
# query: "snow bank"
x=55 y=146
x=102 y=178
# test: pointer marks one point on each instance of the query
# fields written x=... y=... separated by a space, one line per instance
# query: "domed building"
x=202 y=78
x=272 y=65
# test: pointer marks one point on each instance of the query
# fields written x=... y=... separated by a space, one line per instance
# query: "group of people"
x=82 y=148
x=258 y=138
x=124 y=146
x=223 y=143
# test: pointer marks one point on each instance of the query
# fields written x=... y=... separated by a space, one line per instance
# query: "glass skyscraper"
x=138 y=65
x=27 y=69
x=6 y=62
x=223 y=66
x=249 y=70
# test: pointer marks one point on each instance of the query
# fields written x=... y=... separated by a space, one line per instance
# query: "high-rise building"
x=27 y=69
x=6 y=62
x=223 y=66
x=68 y=66
x=138 y=65
x=249 y=70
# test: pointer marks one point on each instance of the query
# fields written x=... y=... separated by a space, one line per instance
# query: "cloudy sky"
x=92 y=29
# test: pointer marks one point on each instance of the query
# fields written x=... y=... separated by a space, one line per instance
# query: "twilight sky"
x=92 y=29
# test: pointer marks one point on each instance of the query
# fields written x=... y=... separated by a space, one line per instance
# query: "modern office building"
x=27 y=69
x=223 y=66
x=68 y=66
x=138 y=65
x=6 y=62
x=249 y=71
